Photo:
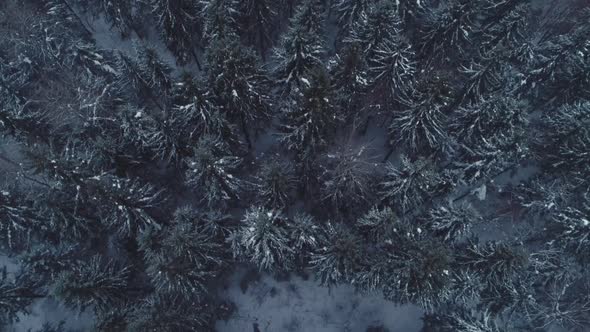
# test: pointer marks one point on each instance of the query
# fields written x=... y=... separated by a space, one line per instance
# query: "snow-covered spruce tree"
x=301 y=48
x=391 y=70
x=447 y=30
x=127 y=205
x=379 y=224
x=450 y=222
x=258 y=21
x=490 y=136
x=410 y=10
x=516 y=297
x=263 y=238
x=350 y=81
x=506 y=25
x=169 y=313
x=19 y=219
x=417 y=272
x=305 y=235
x=196 y=108
x=420 y=127
x=483 y=75
x=495 y=262
x=239 y=84
x=405 y=264
x=155 y=71
x=42 y=264
x=275 y=183
x=565 y=141
x=563 y=306
x=347 y=182
x=180 y=27
x=310 y=117
x=493 y=118
x=166 y=137
x=349 y=12
x=339 y=257
x=408 y=186
x=569 y=229
x=182 y=256
x=16 y=295
x=220 y=19
x=119 y=14
x=96 y=283
x=130 y=79
x=372 y=28
x=211 y=171
x=560 y=70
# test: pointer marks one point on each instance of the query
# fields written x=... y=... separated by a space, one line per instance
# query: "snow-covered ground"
x=303 y=305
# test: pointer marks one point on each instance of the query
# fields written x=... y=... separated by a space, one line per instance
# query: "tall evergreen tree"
x=263 y=239
x=258 y=20
x=180 y=27
x=16 y=295
x=338 y=259
x=96 y=283
x=239 y=83
x=211 y=171
x=301 y=49
x=310 y=118
x=181 y=257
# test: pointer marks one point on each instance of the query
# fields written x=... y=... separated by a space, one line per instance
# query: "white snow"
x=304 y=305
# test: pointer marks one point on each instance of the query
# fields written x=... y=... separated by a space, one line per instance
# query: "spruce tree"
x=180 y=27
x=181 y=257
x=263 y=239
x=301 y=49
x=239 y=84
x=97 y=283
x=310 y=118
x=211 y=171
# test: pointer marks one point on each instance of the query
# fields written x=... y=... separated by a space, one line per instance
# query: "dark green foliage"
x=211 y=171
x=379 y=25
x=339 y=257
x=420 y=127
x=258 y=21
x=448 y=30
x=408 y=186
x=275 y=183
x=496 y=262
x=350 y=11
x=180 y=26
x=348 y=179
x=181 y=257
x=350 y=80
x=134 y=185
x=379 y=225
x=392 y=68
x=239 y=84
x=220 y=19
x=119 y=13
x=451 y=223
x=18 y=218
x=263 y=239
x=16 y=294
x=310 y=118
x=156 y=72
x=565 y=140
x=301 y=49
x=97 y=283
